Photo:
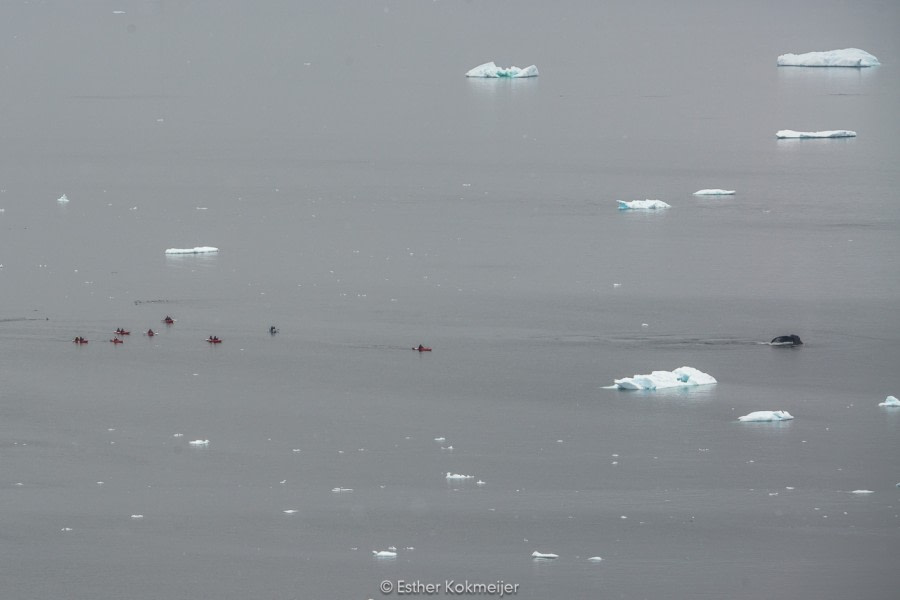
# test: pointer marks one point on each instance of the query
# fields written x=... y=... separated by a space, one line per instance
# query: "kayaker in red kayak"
x=422 y=348
x=150 y=333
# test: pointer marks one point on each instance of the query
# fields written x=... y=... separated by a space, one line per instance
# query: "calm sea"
x=366 y=197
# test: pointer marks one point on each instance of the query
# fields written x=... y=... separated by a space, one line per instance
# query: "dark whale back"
x=787 y=340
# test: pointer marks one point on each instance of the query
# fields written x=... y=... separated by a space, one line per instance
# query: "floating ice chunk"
x=290 y=511
x=458 y=476
x=595 y=559
x=641 y=204
x=62 y=199
x=848 y=57
x=681 y=377
x=766 y=415
x=197 y=250
x=340 y=490
x=137 y=516
x=199 y=442
x=479 y=482
x=890 y=401
x=790 y=134
x=543 y=556
x=491 y=70
x=440 y=439
x=384 y=554
x=714 y=192
x=862 y=492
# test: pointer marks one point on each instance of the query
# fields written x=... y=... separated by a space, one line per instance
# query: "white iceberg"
x=848 y=57
x=681 y=377
x=491 y=70
x=62 y=199
x=890 y=401
x=714 y=192
x=790 y=134
x=543 y=556
x=458 y=476
x=595 y=559
x=341 y=490
x=762 y=416
x=641 y=204
x=862 y=492
x=197 y=250
x=199 y=442
x=384 y=554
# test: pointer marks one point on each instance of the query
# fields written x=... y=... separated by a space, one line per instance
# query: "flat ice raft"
x=890 y=401
x=848 y=57
x=764 y=416
x=197 y=250
x=714 y=192
x=801 y=135
x=681 y=377
x=641 y=204
x=491 y=70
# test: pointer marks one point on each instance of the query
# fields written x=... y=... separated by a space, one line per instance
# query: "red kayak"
x=150 y=333
x=116 y=341
x=122 y=332
x=80 y=340
x=422 y=348
x=213 y=340
x=168 y=320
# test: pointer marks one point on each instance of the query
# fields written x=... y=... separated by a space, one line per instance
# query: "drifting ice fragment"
x=543 y=556
x=340 y=490
x=62 y=199
x=641 y=204
x=790 y=134
x=199 y=442
x=384 y=554
x=197 y=250
x=848 y=57
x=766 y=415
x=289 y=511
x=890 y=401
x=458 y=476
x=681 y=377
x=491 y=70
x=595 y=559
x=862 y=492
x=714 y=192
x=137 y=516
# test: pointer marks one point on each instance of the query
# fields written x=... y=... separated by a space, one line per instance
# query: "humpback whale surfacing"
x=786 y=340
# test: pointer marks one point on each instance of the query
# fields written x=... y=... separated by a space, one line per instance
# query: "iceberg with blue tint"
x=801 y=135
x=681 y=377
x=714 y=192
x=491 y=70
x=848 y=57
x=641 y=204
x=765 y=416
x=890 y=401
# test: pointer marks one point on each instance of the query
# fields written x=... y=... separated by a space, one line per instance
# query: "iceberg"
x=384 y=554
x=62 y=199
x=199 y=443
x=458 y=476
x=543 y=556
x=491 y=70
x=848 y=57
x=802 y=135
x=681 y=377
x=641 y=204
x=862 y=492
x=714 y=192
x=197 y=250
x=890 y=401
x=762 y=416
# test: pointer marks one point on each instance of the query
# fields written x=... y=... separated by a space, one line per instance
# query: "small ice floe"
x=199 y=442
x=642 y=204
x=177 y=435
x=447 y=448
x=479 y=482
x=62 y=199
x=290 y=511
x=681 y=377
x=714 y=192
x=848 y=57
x=543 y=556
x=492 y=71
x=890 y=401
x=384 y=553
x=66 y=529
x=595 y=559
x=458 y=476
x=440 y=439
x=136 y=517
x=196 y=250
x=766 y=416
x=862 y=492
x=341 y=490
x=790 y=134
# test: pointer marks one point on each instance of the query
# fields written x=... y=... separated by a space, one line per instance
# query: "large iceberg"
x=714 y=192
x=761 y=416
x=799 y=135
x=890 y=401
x=197 y=250
x=491 y=70
x=641 y=204
x=681 y=377
x=848 y=57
